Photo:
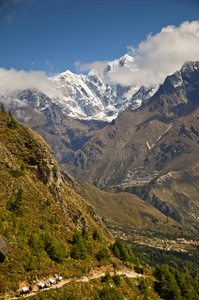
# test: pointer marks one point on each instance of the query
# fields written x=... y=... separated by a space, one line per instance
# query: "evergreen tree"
x=103 y=253
x=13 y=123
x=17 y=204
x=79 y=249
x=98 y=236
x=85 y=234
x=3 y=109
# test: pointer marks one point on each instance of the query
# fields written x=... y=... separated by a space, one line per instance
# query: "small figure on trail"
x=24 y=291
x=41 y=285
x=58 y=278
x=30 y=288
x=51 y=281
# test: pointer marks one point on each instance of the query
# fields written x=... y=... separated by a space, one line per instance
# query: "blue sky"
x=52 y=35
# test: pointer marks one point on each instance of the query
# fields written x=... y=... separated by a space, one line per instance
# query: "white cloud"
x=97 y=65
x=12 y=80
x=156 y=57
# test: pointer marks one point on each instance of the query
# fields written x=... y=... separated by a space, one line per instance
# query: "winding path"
x=95 y=274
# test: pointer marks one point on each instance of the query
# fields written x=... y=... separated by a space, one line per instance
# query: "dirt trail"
x=95 y=274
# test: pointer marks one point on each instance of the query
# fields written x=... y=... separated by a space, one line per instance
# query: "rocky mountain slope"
x=39 y=211
x=153 y=137
x=83 y=105
x=95 y=96
x=135 y=148
x=150 y=146
x=123 y=211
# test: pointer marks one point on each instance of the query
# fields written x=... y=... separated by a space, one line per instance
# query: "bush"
x=53 y=220
x=108 y=293
x=107 y=277
x=16 y=205
x=79 y=250
x=85 y=233
x=3 y=109
x=171 y=284
x=36 y=244
x=123 y=252
x=77 y=236
x=98 y=236
x=17 y=173
x=55 y=250
x=143 y=287
x=116 y=279
x=81 y=245
x=13 y=123
x=103 y=253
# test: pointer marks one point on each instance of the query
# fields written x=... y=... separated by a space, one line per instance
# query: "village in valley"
x=139 y=176
x=179 y=244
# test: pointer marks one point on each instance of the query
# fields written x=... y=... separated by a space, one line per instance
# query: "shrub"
x=53 y=220
x=79 y=250
x=103 y=253
x=116 y=279
x=3 y=109
x=43 y=206
x=77 y=237
x=36 y=244
x=17 y=173
x=55 y=250
x=143 y=287
x=108 y=293
x=98 y=236
x=43 y=226
x=123 y=252
x=107 y=277
x=85 y=233
x=13 y=123
x=17 y=204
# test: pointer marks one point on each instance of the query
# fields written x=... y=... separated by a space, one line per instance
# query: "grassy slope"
x=124 y=210
x=48 y=204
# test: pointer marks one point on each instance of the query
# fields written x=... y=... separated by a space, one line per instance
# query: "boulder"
x=4 y=248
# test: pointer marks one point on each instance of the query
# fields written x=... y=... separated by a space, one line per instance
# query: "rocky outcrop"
x=4 y=248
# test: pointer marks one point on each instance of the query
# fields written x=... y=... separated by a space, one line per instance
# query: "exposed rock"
x=4 y=248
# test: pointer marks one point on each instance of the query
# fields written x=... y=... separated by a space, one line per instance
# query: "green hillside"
x=123 y=211
x=52 y=231
x=40 y=212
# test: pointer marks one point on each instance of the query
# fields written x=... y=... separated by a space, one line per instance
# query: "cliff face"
x=22 y=147
x=4 y=248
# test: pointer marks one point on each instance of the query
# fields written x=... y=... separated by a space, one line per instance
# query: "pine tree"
x=13 y=123
x=3 y=109
x=98 y=236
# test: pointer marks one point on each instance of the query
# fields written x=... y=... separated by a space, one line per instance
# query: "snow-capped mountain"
x=98 y=96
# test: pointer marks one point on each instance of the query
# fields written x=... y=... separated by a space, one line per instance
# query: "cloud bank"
x=12 y=80
x=156 y=57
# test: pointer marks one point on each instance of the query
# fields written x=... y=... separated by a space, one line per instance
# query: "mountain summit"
x=97 y=95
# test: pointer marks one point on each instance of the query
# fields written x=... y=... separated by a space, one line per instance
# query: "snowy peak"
x=124 y=61
x=97 y=95
x=190 y=66
x=183 y=78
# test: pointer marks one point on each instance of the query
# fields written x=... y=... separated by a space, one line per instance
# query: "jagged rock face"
x=178 y=90
x=73 y=141
x=89 y=97
x=4 y=248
